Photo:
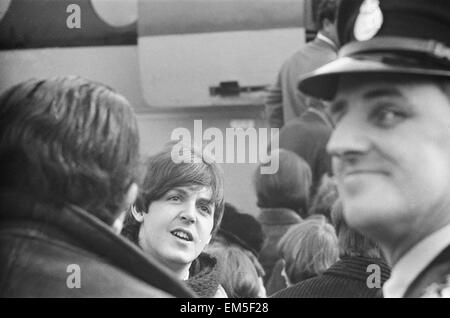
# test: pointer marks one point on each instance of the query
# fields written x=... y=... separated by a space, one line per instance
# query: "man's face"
x=178 y=226
x=391 y=155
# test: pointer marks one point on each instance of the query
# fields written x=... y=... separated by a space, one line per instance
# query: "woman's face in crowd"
x=391 y=154
x=177 y=227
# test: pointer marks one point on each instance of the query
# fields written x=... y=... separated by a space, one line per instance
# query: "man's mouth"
x=363 y=172
x=342 y=171
x=183 y=235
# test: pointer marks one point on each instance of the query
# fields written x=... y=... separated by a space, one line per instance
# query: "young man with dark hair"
x=178 y=210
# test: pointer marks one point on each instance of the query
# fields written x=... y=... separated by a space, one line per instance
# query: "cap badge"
x=369 y=20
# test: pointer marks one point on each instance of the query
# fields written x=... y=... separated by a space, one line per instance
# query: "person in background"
x=308 y=249
x=283 y=198
x=307 y=136
x=238 y=243
x=323 y=201
x=178 y=210
x=309 y=127
x=69 y=152
x=240 y=229
x=283 y=100
x=240 y=277
x=390 y=104
x=359 y=273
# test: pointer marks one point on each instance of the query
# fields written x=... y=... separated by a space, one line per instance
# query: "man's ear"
x=138 y=216
x=130 y=198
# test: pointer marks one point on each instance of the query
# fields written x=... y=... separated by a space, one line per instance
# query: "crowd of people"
x=60 y=204
x=359 y=205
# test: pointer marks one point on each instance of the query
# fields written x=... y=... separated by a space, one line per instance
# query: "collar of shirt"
x=326 y=39
x=415 y=261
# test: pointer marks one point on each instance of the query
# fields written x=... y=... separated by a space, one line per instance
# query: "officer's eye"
x=388 y=115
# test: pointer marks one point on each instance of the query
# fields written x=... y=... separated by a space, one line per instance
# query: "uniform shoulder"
x=434 y=281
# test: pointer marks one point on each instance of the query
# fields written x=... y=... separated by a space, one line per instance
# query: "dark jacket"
x=275 y=223
x=347 y=278
x=44 y=249
x=284 y=101
x=434 y=280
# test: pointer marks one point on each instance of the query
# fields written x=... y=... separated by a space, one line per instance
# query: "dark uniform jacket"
x=424 y=270
x=434 y=280
x=67 y=252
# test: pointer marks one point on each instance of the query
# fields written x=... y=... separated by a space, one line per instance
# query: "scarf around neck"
x=204 y=276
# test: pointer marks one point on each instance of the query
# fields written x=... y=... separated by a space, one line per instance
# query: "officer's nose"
x=188 y=212
x=349 y=139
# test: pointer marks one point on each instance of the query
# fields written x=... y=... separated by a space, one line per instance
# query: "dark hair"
x=289 y=187
x=327 y=9
x=240 y=278
x=163 y=175
x=351 y=242
x=67 y=140
x=308 y=248
x=241 y=229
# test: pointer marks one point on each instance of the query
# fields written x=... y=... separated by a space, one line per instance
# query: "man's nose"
x=349 y=139
x=188 y=212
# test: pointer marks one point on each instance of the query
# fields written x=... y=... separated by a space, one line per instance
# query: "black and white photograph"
x=230 y=154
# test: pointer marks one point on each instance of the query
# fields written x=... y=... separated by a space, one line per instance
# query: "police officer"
x=390 y=104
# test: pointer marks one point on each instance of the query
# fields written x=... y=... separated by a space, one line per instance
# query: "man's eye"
x=174 y=198
x=205 y=209
x=389 y=116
